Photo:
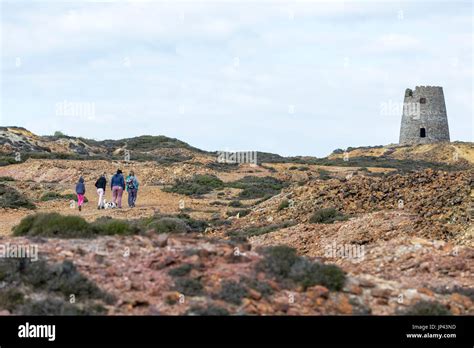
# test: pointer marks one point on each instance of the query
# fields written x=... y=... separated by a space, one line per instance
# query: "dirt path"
x=150 y=200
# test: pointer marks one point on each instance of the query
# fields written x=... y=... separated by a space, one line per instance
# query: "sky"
x=294 y=78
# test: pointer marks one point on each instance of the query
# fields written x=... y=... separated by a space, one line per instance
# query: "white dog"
x=109 y=205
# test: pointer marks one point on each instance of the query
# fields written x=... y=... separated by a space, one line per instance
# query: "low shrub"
x=324 y=174
x=241 y=212
x=235 y=204
x=62 y=278
x=258 y=187
x=169 y=225
x=176 y=158
x=307 y=273
x=283 y=204
x=189 y=286
x=197 y=185
x=181 y=270
x=56 y=281
x=108 y=226
x=327 y=216
x=278 y=261
x=53 y=225
x=232 y=292
x=210 y=310
x=11 y=198
x=465 y=291
x=194 y=224
x=259 y=230
x=51 y=196
x=7 y=160
x=427 y=308
x=284 y=264
x=10 y=299
x=261 y=286
x=51 y=306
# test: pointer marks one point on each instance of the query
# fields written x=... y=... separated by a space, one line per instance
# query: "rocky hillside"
x=440 y=200
x=147 y=147
x=388 y=230
x=450 y=153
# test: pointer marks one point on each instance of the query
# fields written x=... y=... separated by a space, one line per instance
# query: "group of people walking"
x=118 y=184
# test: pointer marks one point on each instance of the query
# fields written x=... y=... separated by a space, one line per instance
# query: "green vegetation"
x=59 y=226
x=7 y=160
x=465 y=291
x=181 y=223
x=108 y=226
x=70 y=226
x=59 y=134
x=307 y=273
x=189 y=286
x=144 y=143
x=57 y=281
x=50 y=196
x=232 y=292
x=197 y=185
x=283 y=204
x=327 y=216
x=285 y=265
x=11 y=298
x=53 y=225
x=258 y=187
x=241 y=212
x=181 y=270
x=6 y=178
x=222 y=167
x=52 y=306
x=324 y=174
x=252 y=186
x=11 y=198
x=169 y=225
x=210 y=310
x=427 y=308
x=259 y=230
x=177 y=158
x=194 y=224
x=235 y=204
x=261 y=286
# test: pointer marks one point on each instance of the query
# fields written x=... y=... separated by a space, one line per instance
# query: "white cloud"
x=334 y=61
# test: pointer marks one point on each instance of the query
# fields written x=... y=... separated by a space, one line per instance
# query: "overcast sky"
x=294 y=78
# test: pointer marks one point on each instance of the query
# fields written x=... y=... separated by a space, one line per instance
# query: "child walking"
x=81 y=191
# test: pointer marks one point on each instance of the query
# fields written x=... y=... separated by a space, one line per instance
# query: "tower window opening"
x=422 y=100
x=422 y=133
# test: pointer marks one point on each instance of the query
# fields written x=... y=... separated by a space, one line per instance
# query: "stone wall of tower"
x=425 y=108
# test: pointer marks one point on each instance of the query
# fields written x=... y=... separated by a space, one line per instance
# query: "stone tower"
x=424 y=118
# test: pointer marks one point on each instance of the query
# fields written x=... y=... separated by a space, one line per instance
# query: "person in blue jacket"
x=117 y=184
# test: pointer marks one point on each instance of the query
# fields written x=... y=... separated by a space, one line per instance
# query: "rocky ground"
x=400 y=237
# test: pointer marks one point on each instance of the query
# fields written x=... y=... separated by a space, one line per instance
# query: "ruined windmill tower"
x=424 y=118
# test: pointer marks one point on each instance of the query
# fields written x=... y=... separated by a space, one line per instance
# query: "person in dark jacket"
x=101 y=184
x=117 y=184
x=80 y=191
